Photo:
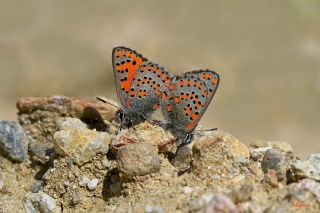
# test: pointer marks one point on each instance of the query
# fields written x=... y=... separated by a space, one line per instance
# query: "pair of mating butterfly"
x=143 y=86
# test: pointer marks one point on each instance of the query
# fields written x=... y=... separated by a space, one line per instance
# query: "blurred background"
x=266 y=52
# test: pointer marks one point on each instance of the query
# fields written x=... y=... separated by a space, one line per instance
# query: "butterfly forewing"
x=149 y=87
x=125 y=62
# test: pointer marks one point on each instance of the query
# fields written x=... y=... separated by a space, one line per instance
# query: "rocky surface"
x=141 y=170
x=39 y=117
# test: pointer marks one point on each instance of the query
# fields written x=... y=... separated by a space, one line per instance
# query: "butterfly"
x=141 y=85
x=187 y=102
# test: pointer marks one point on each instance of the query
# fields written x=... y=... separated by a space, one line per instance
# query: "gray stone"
x=13 y=141
x=115 y=188
x=138 y=159
x=309 y=168
x=183 y=157
x=75 y=199
x=40 y=203
x=78 y=142
x=36 y=186
x=92 y=184
x=275 y=159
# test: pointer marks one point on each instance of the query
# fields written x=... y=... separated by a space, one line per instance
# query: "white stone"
x=83 y=180
x=187 y=189
x=40 y=203
x=92 y=184
x=153 y=209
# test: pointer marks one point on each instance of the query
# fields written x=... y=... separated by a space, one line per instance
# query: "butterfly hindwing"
x=186 y=104
x=211 y=79
x=125 y=63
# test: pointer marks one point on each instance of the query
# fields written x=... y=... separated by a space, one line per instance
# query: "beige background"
x=267 y=53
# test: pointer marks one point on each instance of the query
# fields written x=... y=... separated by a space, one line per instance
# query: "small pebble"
x=106 y=163
x=66 y=183
x=36 y=186
x=75 y=199
x=1 y=185
x=83 y=181
x=153 y=209
x=92 y=184
x=271 y=178
x=187 y=189
x=115 y=188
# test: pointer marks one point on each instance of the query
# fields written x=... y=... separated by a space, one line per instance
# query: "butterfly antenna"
x=105 y=101
x=206 y=130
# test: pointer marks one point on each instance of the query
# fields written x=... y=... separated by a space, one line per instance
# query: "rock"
x=75 y=199
x=302 y=190
x=276 y=160
x=145 y=133
x=243 y=194
x=13 y=141
x=183 y=157
x=138 y=159
x=220 y=203
x=39 y=116
x=258 y=153
x=201 y=202
x=209 y=140
x=106 y=163
x=36 y=186
x=271 y=177
x=309 y=168
x=115 y=188
x=83 y=181
x=187 y=189
x=218 y=153
x=303 y=196
x=41 y=152
x=40 y=203
x=78 y=142
x=92 y=184
x=284 y=146
x=153 y=209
